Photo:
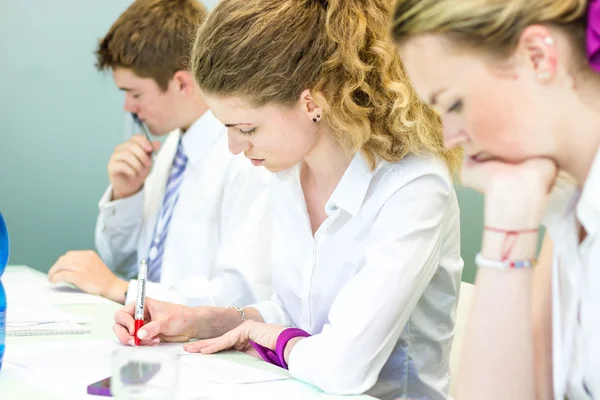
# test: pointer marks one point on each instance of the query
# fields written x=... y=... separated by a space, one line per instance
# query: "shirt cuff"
x=297 y=363
x=273 y=313
x=124 y=211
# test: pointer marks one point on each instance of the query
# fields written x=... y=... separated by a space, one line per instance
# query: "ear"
x=537 y=50
x=184 y=82
x=310 y=107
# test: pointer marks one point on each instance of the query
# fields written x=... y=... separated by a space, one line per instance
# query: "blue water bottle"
x=4 y=249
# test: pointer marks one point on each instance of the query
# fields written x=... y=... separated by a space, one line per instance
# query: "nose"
x=130 y=105
x=237 y=143
x=453 y=134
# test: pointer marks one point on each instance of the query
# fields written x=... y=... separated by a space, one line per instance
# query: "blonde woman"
x=518 y=86
x=366 y=247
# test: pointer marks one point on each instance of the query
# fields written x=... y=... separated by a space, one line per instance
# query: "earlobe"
x=310 y=107
x=540 y=51
x=184 y=81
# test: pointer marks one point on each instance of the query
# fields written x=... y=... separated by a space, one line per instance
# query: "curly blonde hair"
x=269 y=51
x=493 y=26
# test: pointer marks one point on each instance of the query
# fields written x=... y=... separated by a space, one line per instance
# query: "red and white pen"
x=140 y=300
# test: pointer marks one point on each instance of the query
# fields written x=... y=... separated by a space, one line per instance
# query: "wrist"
x=199 y=318
x=209 y=322
x=119 y=194
x=519 y=212
x=509 y=245
x=117 y=291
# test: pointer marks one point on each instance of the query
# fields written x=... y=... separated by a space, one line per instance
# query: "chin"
x=159 y=131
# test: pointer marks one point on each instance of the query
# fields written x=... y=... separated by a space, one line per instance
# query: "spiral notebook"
x=34 y=321
x=42 y=329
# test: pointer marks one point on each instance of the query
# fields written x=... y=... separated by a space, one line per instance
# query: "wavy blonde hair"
x=270 y=51
x=494 y=26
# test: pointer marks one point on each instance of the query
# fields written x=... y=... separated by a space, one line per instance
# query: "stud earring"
x=317 y=119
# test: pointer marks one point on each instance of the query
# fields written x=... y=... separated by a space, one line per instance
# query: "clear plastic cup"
x=140 y=373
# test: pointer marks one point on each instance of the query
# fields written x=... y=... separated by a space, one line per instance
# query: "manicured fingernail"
x=131 y=343
x=142 y=334
x=155 y=342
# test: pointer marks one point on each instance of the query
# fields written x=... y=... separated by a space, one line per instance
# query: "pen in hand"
x=140 y=300
x=142 y=126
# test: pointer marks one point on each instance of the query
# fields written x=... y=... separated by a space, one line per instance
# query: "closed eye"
x=456 y=107
x=250 y=132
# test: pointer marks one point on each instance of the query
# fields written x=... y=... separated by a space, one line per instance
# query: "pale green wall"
x=60 y=120
x=471 y=226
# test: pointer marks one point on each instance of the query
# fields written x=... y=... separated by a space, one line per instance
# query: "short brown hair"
x=269 y=51
x=152 y=38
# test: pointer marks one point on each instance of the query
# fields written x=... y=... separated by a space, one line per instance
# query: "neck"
x=581 y=140
x=197 y=108
x=326 y=163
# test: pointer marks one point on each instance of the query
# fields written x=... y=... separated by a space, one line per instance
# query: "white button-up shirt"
x=377 y=285
x=217 y=248
x=576 y=287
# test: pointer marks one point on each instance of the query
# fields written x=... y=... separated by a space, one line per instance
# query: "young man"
x=198 y=214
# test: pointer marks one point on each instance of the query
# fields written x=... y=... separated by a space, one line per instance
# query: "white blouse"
x=576 y=287
x=377 y=285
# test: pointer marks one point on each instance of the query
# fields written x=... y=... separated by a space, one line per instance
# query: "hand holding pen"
x=140 y=300
x=144 y=129
x=130 y=164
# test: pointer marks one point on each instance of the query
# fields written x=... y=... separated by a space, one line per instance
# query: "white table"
x=24 y=285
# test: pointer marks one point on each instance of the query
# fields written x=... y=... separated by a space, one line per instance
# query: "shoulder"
x=421 y=174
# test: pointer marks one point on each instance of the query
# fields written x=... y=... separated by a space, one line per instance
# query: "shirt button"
x=333 y=208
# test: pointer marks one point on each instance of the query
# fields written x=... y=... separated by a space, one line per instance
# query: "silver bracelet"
x=241 y=311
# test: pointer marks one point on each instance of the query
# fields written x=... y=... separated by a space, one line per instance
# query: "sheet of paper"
x=28 y=287
x=212 y=369
x=71 y=366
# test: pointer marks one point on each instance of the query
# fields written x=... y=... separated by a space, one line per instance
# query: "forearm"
x=117 y=231
x=497 y=362
x=216 y=321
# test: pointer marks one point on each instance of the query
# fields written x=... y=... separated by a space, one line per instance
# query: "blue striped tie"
x=157 y=248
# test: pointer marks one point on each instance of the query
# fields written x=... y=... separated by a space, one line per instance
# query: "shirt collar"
x=199 y=138
x=588 y=208
x=350 y=193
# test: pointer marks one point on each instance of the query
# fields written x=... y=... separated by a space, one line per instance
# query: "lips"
x=257 y=161
x=476 y=157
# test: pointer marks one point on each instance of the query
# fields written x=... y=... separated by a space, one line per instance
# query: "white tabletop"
x=18 y=380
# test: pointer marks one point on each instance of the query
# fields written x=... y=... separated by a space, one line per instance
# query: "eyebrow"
x=434 y=95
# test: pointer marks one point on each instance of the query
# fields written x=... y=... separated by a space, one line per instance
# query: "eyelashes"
x=456 y=107
x=250 y=132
